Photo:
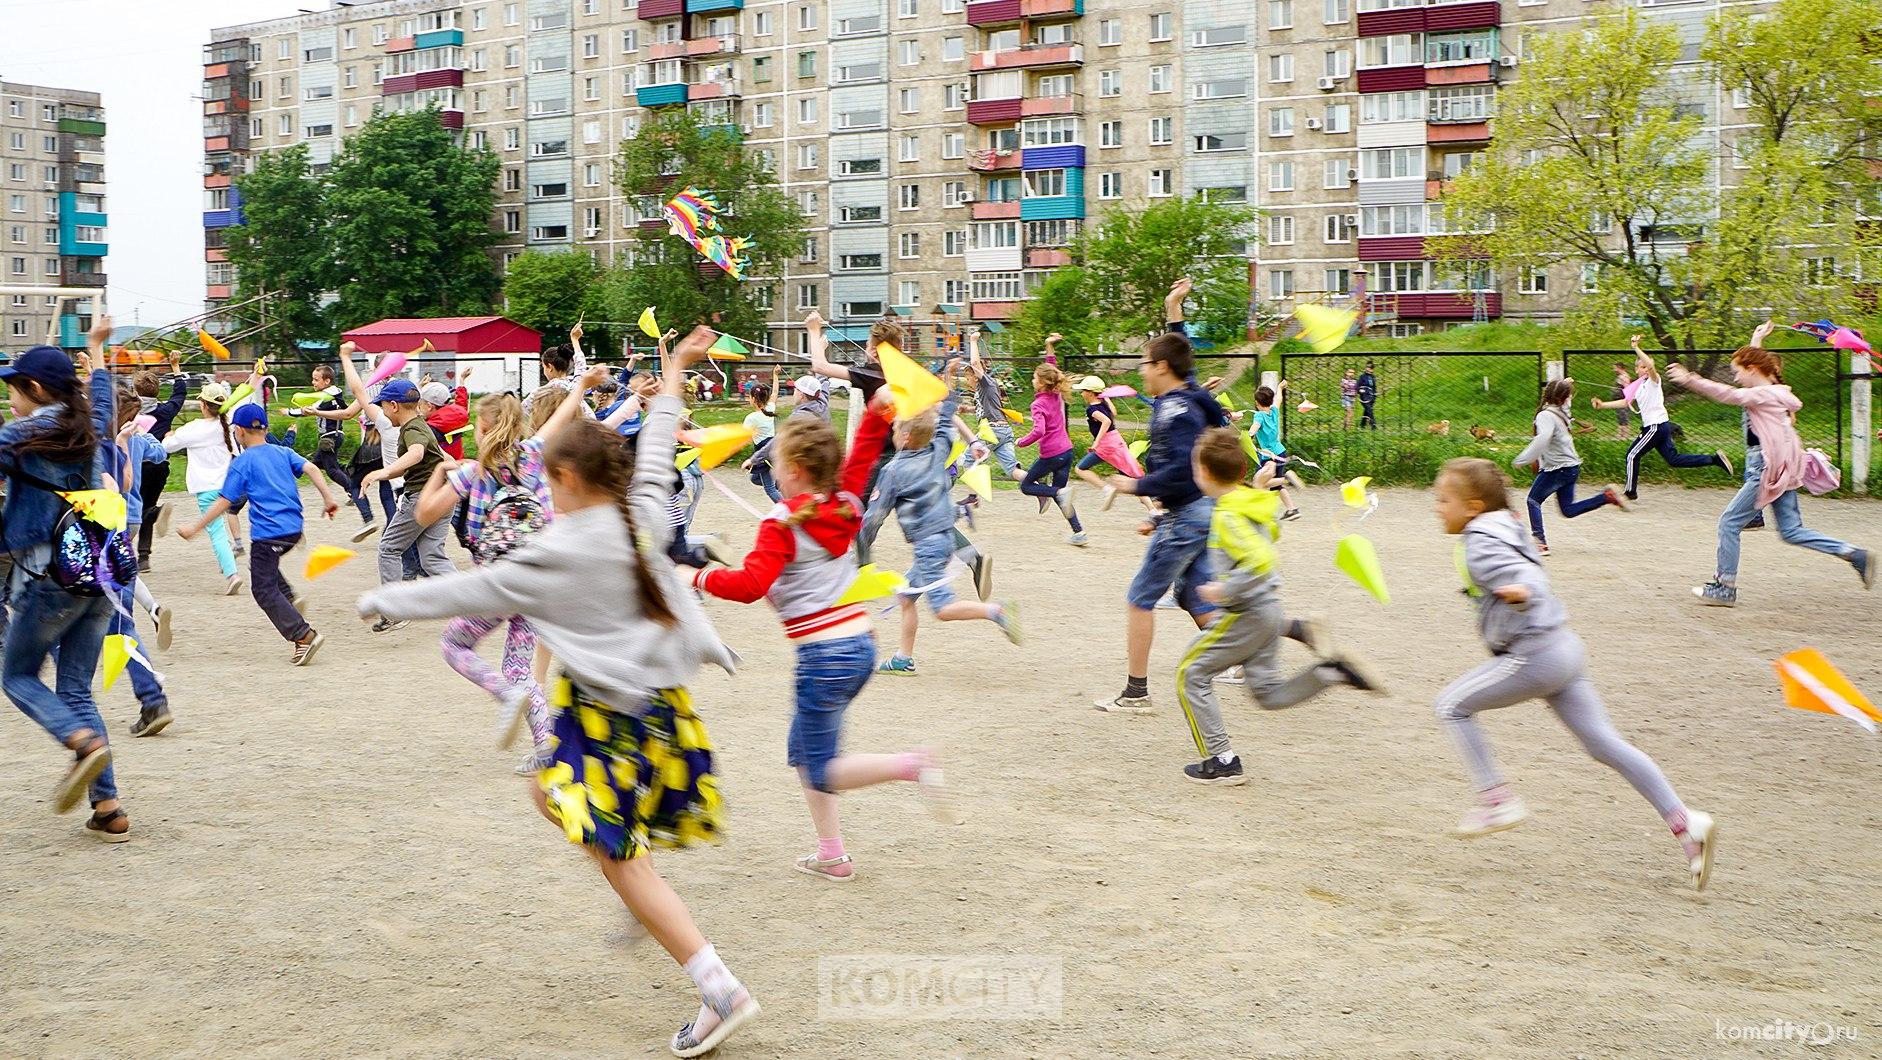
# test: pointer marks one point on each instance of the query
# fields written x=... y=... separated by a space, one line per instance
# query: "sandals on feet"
x=89 y=762
x=112 y=827
x=688 y=1042
x=812 y=865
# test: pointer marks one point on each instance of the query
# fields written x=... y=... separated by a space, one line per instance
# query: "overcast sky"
x=145 y=58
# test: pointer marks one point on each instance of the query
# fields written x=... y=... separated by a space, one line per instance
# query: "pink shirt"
x=1770 y=409
x=1048 y=425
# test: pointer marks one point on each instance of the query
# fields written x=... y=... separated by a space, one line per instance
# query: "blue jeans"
x=829 y=674
x=48 y=620
x=762 y=478
x=1560 y=484
x=1178 y=557
x=1790 y=523
x=1090 y=460
x=931 y=568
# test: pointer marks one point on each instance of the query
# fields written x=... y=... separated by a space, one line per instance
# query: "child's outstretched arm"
x=578 y=361
x=319 y=478
x=820 y=363
x=776 y=546
x=871 y=435
x=654 y=473
x=216 y=511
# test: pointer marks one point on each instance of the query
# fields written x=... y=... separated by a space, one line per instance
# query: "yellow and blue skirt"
x=621 y=783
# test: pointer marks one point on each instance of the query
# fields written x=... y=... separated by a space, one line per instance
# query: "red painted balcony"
x=1391 y=248
x=401 y=44
x=992 y=12
x=1392 y=79
x=1434 y=189
x=996 y=211
x=1387 y=23
x=1047 y=258
x=1043 y=106
x=213 y=144
x=1028 y=57
x=1465 y=133
x=215 y=180
x=992 y=310
x=1474 y=74
x=1476 y=14
x=451 y=119
x=992 y=161
x=216 y=254
x=722 y=89
x=220 y=70
x=651 y=9
x=1447 y=305
x=216 y=291
x=1036 y=9
x=994 y=111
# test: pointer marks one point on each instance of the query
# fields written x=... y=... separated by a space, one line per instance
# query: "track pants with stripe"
x=1659 y=437
x=1550 y=666
x=1250 y=639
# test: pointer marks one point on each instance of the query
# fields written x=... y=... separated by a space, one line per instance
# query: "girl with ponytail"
x=632 y=765
x=1055 y=448
x=206 y=440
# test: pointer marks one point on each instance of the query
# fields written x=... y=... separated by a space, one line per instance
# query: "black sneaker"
x=1211 y=771
x=1352 y=672
x=387 y=625
x=983 y=576
x=151 y=721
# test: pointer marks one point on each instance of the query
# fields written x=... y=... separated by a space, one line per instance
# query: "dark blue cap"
x=41 y=364
x=400 y=390
x=250 y=416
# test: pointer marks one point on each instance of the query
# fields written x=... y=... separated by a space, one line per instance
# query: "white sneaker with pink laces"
x=1485 y=818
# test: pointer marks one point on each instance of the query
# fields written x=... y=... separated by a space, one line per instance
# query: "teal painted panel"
x=693 y=6
x=1075 y=184
x=439 y=38
x=660 y=95
x=1052 y=208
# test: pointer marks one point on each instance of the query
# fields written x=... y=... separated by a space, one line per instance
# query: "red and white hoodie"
x=804 y=569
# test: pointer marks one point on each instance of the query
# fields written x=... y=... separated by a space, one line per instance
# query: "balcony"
x=216 y=292
x=401 y=44
x=1440 y=305
x=996 y=211
x=403 y=83
x=75 y=278
x=215 y=180
x=992 y=161
x=1457 y=132
x=724 y=88
x=994 y=111
x=699 y=47
x=1047 y=257
x=992 y=310
x=439 y=38
x=1046 y=106
x=1391 y=248
x=1038 y=10
x=701 y=6
x=1056 y=156
x=1476 y=73
x=1392 y=79
x=652 y=9
x=1054 y=207
x=1476 y=14
x=1028 y=57
x=1393 y=21
x=234 y=51
x=451 y=119
x=993 y=12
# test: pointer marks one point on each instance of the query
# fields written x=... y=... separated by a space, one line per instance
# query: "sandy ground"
x=337 y=862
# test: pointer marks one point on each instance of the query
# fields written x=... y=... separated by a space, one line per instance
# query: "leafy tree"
x=551 y=291
x=409 y=210
x=281 y=247
x=1062 y=303
x=673 y=151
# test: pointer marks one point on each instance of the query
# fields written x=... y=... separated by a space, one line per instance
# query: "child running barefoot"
x=1552 y=450
x=632 y=761
x=1656 y=429
x=264 y=475
x=802 y=564
x=914 y=486
x=1055 y=449
x=1247 y=632
x=1774 y=467
x=1534 y=656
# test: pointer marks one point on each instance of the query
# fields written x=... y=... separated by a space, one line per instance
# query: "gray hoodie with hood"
x=1496 y=551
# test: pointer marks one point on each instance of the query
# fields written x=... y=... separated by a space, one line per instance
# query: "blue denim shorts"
x=1177 y=557
x=931 y=566
x=829 y=674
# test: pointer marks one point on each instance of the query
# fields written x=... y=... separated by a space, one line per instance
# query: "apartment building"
x=52 y=212
x=945 y=153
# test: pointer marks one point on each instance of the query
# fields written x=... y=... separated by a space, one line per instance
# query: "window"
x=1280 y=176
x=1054 y=86
x=254 y=128
x=1161 y=183
x=1281 y=67
x=512 y=57
x=807 y=156
x=552 y=20
x=952 y=96
x=591 y=175
x=761 y=69
x=1217 y=36
x=591 y=132
x=1337 y=229
x=1111 y=134
x=908 y=197
x=1162 y=27
x=283 y=49
x=548 y=64
x=1110 y=32
x=908 y=245
x=1281 y=121
x=908 y=53
x=1049 y=132
x=1464 y=103
x=539 y=107
x=860 y=214
x=1398 y=49
x=859 y=119
x=953 y=145
x=1228 y=89
x=1280 y=283
x=1533 y=281
x=761 y=23
x=1110 y=83
x=352 y=116
x=807 y=64
x=630 y=41
x=1160 y=78
x=512 y=139
x=858 y=262
x=512 y=97
x=1161 y=133
x=859 y=167
x=1281 y=229
x=1337 y=62
x=953 y=243
x=285 y=125
x=1339 y=117
x=1392 y=106
x=808 y=255
x=1336 y=12
x=858 y=24
x=996 y=287
x=807 y=112
x=849 y=73
x=806 y=292
x=996 y=235
x=911 y=148
x=545 y=148
x=1476 y=46
x=1392 y=163
x=953 y=49
x=1280 y=14
x=908 y=292
x=1455 y=164
x=1397 y=220
x=1211 y=142
x=1818 y=272
x=591 y=45
x=349 y=77
x=549 y=232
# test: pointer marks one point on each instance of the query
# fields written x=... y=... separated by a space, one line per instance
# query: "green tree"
x=409 y=211
x=1126 y=265
x=673 y=151
x=550 y=291
x=280 y=249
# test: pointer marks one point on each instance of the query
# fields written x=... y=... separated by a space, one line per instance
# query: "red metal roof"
x=464 y=335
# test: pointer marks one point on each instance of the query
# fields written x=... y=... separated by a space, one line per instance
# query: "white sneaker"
x=1701 y=828
x=1110 y=498
x=1079 y=539
x=1234 y=675
x=934 y=791
x=365 y=532
x=510 y=713
x=234 y=586
x=1482 y=820
x=1126 y=705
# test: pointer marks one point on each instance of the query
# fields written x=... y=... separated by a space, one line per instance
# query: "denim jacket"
x=30 y=511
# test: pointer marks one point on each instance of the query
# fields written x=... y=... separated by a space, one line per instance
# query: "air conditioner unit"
x=1328 y=84
x=1313 y=123
x=1351 y=173
x=590 y=233
x=1350 y=220
x=1507 y=60
x=966 y=196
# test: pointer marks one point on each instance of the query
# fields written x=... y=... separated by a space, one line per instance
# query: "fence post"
x=1862 y=429
x=1551 y=369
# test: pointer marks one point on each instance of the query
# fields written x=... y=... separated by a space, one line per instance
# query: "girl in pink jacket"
x=1774 y=467
x=1055 y=448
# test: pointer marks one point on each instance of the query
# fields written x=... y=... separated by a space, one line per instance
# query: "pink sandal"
x=812 y=865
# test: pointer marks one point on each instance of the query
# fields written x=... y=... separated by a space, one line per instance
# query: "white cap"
x=807 y=386
x=437 y=394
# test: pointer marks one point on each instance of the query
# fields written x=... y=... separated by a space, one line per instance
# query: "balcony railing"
x=1028 y=56
x=992 y=161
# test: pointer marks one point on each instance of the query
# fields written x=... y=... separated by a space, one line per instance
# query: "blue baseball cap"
x=250 y=416
x=41 y=364
x=400 y=390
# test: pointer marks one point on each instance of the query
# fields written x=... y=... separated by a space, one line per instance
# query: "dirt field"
x=337 y=862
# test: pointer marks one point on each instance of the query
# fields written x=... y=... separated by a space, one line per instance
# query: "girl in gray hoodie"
x=1534 y=655
x=1557 y=464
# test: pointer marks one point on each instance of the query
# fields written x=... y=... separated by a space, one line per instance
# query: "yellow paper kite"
x=1354 y=492
x=872 y=584
x=913 y=388
x=1014 y=416
x=104 y=507
x=954 y=454
x=220 y=351
x=324 y=558
x=648 y=325
x=1138 y=447
x=1324 y=328
x=114 y=658
x=238 y=395
x=685 y=457
x=1356 y=557
x=713 y=445
x=1811 y=682
x=313 y=397
x=979 y=478
x=985 y=433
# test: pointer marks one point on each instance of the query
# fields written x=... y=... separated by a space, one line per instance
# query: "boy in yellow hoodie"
x=1248 y=630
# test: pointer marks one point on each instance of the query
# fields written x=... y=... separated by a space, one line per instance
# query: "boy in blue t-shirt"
x=265 y=475
x=1265 y=428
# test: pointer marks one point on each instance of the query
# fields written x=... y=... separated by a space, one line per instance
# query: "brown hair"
x=594 y=454
x=1219 y=453
x=1479 y=480
x=145 y=383
x=920 y=429
x=1172 y=348
x=1047 y=377
x=544 y=405
x=1557 y=392
x=128 y=409
x=810 y=445
x=67 y=435
x=1760 y=359
x=886 y=331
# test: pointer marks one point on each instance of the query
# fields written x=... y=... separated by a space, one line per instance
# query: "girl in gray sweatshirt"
x=1534 y=655
x=1557 y=464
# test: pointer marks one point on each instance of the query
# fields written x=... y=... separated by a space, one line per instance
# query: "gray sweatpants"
x=1551 y=667
x=401 y=532
x=1252 y=640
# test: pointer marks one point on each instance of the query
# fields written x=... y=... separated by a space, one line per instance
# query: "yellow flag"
x=324 y=558
x=913 y=388
x=648 y=325
x=985 y=433
x=1138 y=447
x=954 y=454
x=238 y=395
x=115 y=657
x=871 y=584
x=1355 y=556
x=1354 y=492
x=104 y=507
x=716 y=443
x=1014 y=416
x=979 y=478
x=1324 y=328
x=209 y=343
x=1811 y=682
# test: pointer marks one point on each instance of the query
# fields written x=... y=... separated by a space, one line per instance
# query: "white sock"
x=1226 y=757
x=142 y=594
x=710 y=975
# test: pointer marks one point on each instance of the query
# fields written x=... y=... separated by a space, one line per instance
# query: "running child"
x=1055 y=450
x=1558 y=465
x=419 y=455
x=1349 y=393
x=633 y=764
x=1774 y=466
x=802 y=564
x=127 y=455
x=331 y=436
x=1247 y=632
x=1534 y=655
x=163 y=415
x=210 y=447
x=264 y=475
x=914 y=486
x=992 y=409
x=762 y=422
x=1656 y=429
x=1265 y=429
